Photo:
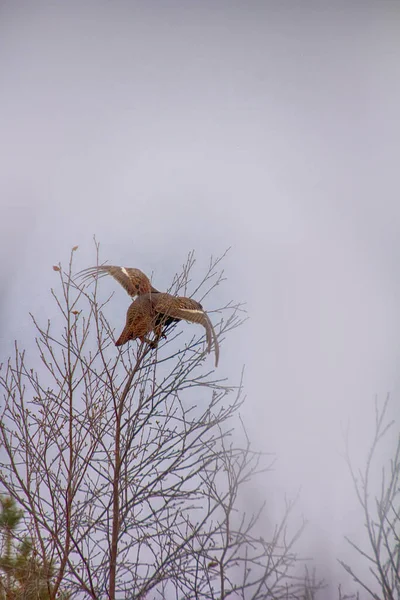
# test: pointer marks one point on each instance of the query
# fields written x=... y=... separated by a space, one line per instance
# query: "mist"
x=270 y=128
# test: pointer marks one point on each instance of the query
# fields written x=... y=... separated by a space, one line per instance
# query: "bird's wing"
x=180 y=307
x=134 y=281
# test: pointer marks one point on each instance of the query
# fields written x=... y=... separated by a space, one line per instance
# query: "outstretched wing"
x=179 y=307
x=134 y=281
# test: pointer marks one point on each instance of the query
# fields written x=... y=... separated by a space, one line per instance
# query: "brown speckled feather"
x=139 y=320
x=180 y=307
x=134 y=281
x=144 y=314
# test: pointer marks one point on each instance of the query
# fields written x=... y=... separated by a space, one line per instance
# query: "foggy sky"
x=268 y=127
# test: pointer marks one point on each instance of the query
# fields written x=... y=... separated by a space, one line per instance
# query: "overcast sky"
x=270 y=127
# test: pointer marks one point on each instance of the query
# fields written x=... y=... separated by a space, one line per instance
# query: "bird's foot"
x=152 y=343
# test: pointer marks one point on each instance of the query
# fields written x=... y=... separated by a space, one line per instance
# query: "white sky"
x=271 y=127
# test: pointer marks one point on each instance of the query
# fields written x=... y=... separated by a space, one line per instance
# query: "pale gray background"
x=271 y=127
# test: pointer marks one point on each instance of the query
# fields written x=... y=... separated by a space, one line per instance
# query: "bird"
x=134 y=281
x=151 y=312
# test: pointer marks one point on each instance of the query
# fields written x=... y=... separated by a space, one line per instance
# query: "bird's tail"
x=211 y=337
